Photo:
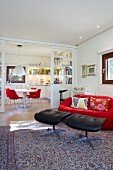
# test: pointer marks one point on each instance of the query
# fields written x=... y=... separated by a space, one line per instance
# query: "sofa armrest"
x=67 y=102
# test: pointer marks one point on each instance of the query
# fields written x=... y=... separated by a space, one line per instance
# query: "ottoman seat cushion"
x=51 y=116
x=86 y=123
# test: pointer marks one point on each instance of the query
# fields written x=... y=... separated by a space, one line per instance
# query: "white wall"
x=88 y=54
x=27 y=60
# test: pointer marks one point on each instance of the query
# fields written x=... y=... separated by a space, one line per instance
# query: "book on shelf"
x=68 y=71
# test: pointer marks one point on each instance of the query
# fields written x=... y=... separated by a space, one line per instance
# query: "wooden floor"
x=17 y=113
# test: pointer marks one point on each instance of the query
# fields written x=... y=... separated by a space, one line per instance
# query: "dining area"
x=22 y=96
x=22 y=107
x=21 y=102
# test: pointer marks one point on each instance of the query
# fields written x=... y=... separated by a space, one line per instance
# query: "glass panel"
x=110 y=69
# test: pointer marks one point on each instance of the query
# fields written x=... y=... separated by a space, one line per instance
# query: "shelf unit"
x=63 y=69
x=61 y=73
x=39 y=70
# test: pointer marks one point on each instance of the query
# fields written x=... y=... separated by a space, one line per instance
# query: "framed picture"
x=13 y=78
x=84 y=71
x=91 y=70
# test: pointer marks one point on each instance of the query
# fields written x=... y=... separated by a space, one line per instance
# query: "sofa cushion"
x=84 y=96
x=79 y=103
x=100 y=104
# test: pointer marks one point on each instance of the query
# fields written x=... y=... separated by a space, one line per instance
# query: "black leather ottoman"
x=51 y=117
x=85 y=123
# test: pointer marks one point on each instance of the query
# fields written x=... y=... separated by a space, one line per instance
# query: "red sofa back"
x=67 y=102
x=95 y=96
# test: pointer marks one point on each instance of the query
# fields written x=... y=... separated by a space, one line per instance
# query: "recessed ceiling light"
x=80 y=37
x=98 y=26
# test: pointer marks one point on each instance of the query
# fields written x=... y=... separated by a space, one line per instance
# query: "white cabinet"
x=74 y=92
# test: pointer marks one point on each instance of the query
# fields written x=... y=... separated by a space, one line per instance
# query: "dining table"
x=24 y=92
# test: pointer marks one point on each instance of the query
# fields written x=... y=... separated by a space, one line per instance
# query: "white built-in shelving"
x=39 y=70
x=63 y=67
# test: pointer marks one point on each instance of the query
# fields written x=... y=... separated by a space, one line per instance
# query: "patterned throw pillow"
x=100 y=104
x=79 y=103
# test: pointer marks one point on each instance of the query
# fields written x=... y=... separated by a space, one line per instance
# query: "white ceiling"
x=28 y=50
x=57 y=21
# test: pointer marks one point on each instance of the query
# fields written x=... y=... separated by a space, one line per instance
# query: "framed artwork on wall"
x=84 y=71
x=91 y=70
x=13 y=78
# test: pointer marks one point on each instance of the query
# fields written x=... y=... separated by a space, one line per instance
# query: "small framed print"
x=91 y=70
x=84 y=71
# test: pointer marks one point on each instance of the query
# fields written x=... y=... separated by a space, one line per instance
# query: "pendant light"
x=19 y=70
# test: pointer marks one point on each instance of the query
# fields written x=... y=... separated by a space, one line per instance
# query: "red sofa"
x=108 y=125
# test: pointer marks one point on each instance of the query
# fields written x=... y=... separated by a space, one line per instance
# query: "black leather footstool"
x=51 y=117
x=85 y=123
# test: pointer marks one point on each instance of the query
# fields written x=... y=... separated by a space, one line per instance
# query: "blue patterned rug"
x=28 y=150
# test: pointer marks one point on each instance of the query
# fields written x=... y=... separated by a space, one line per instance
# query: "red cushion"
x=100 y=104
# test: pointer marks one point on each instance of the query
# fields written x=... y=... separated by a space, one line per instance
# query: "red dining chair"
x=35 y=95
x=7 y=95
x=7 y=91
x=33 y=88
x=12 y=95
